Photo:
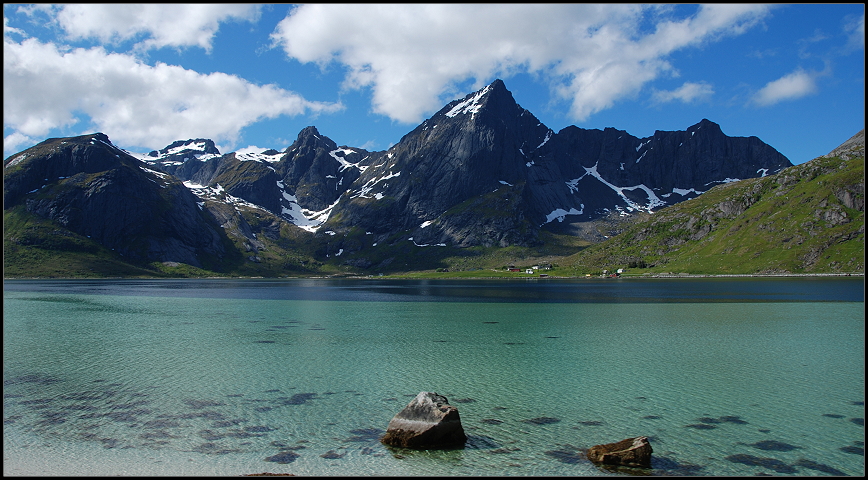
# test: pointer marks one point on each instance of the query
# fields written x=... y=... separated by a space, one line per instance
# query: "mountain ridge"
x=480 y=172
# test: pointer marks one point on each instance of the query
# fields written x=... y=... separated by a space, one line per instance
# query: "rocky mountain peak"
x=191 y=146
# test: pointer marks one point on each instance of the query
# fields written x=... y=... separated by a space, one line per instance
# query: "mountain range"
x=480 y=173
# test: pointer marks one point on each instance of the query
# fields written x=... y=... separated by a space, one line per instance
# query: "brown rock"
x=428 y=421
x=631 y=452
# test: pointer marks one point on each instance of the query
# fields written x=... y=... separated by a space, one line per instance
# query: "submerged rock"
x=428 y=421
x=631 y=452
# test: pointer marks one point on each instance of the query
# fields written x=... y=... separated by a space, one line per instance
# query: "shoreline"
x=522 y=277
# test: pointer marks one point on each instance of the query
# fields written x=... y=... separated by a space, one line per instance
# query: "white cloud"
x=161 y=25
x=789 y=87
x=855 y=30
x=47 y=87
x=687 y=93
x=412 y=56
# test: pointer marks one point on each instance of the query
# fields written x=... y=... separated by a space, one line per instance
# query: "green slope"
x=809 y=218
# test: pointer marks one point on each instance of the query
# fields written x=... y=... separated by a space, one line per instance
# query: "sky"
x=251 y=77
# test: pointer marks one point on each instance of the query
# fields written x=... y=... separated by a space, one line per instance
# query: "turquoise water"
x=221 y=377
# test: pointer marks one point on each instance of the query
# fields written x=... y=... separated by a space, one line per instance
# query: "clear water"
x=216 y=377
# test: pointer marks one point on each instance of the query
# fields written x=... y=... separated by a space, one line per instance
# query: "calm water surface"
x=226 y=377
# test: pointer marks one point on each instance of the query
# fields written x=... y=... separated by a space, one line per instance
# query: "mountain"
x=809 y=218
x=481 y=172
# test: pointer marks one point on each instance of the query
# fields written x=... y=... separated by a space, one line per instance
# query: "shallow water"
x=226 y=377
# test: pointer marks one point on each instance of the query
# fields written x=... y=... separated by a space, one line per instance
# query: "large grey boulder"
x=630 y=452
x=428 y=421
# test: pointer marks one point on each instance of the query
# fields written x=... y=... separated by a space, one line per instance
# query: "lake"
x=738 y=376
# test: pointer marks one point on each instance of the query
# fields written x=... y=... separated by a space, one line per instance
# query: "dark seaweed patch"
x=672 y=467
x=700 y=426
x=235 y=395
x=553 y=337
x=858 y=421
x=774 y=445
x=565 y=456
x=732 y=419
x=109 y=442
x=513 y=343
x=259 y=429
x=331 y=454
x=365 y=435
x=127 y=416
x=128 y=405
x=227 y=423
x=498 y=451
x=833 y=415
x=241 y=434
x=764 y=430
x=592 y=423
x=263 y=341
x=818 y=467
x=161 y=423
x=36 y=378
x=652 y=417
x=707 y=420
x=36 y=401
x=491 y=322
x=200 y=404
x=857 y=403
x=157 y=434
x=852 y=449
x=213 y=449
x=464 y=400
x=542 y=420
x=211 y=435
x=263 y=409
x=283 y=457
x=207 y=414
x=492 y=421
x=297 y=399
x=765 y=462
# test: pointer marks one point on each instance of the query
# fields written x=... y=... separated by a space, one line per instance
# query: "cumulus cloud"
x=158 y=25
x=687 y=93
x=789 y=87
x=46 y=86
x=412 y=56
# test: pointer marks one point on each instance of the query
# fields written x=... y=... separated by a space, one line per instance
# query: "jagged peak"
x=310 y=136
x=473 y=103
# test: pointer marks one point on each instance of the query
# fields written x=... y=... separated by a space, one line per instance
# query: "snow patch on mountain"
x=255 y=154
x=653 y=200
x=306 y=219
x=365 y=190
x=560 y=214
x=343 y=161
x=471 y=105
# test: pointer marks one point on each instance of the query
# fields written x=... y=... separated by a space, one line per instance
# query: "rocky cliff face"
x=92 y=188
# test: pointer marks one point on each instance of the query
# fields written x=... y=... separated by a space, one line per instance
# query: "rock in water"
x=428 y=421
x=631 y=452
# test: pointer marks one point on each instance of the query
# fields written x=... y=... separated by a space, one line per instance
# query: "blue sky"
x=252 y=76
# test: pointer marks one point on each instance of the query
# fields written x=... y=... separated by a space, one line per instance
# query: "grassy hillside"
x=809 y=218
